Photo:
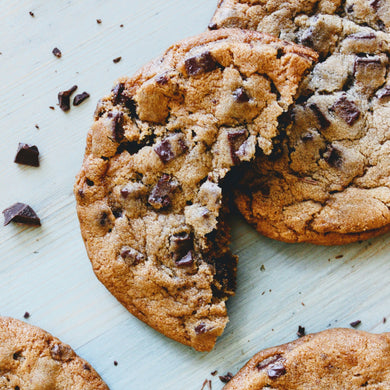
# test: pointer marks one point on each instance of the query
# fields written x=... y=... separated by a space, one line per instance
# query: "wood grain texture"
x=45 y=270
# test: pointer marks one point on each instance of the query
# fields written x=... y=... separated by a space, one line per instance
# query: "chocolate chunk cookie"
x=33 y=359
x=333 y=359
x=329 y=180
x=149 y=195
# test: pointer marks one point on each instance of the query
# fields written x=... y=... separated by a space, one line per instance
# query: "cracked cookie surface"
x=329 y=181
x=332 y=359
x=149 y=195
x=32 y=359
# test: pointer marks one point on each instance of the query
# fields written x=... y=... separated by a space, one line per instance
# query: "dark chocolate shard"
x=201 y=328
x=202 y=63
x=117 y=93
x=355 y=324
x=226 y=378
x=64 y=98
x=180 y=245
x=117 y=125
x=27 y=155
x=266 y=362
x=276 y=370
x=384 y=92
x=322 y=119
x=26 y=315
x=301 y=331
x=164 y=151
x=241 y=96
x=61 y=352
x=57 y=52
x=186 y=260
x=333 y=156
x=78 y=99
x=131 y=255
x=22 y=213
x=236 y=140
x=346 y=110
x=120 y=97
x=161 y=194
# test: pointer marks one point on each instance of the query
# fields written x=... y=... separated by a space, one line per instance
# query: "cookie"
x=277 y=17
x=329 y=181
x=333 y=359
x=33 y=359
x=149 y=194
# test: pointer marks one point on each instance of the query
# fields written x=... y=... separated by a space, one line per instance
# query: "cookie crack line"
x=153 y=211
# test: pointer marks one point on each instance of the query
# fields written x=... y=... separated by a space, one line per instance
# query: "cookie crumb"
x=26 y=315
x=51 y=108
x=57 y=52
x=339 y=256
x=301 y=331
x=115 y=363
x=32 y=14
x=384 y=320
x=262 y=268
x=226 y=378
x=356 y=323
x=116 y=60
x=214 y=373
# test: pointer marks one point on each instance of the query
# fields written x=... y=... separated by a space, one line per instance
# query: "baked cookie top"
x=277 y=17
x=149 y=196
x=32 y=359
x=329 y=182
x=333 y=359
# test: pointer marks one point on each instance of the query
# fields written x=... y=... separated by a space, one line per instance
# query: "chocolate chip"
x=384 y=320
x=333 y=156
x=117 y=93
x=301 y=331
x=87 y=367
x=185 y=261
x=201 y=328
x=27 y=155
x=202 y=63
x=89 y=182
x=131 y=255
x=354 y=324
x=266 y=362
x=160 y=196
x=375 y=4
x=322 y=119
x=276 y=370
x=116 y=60
x=22 y=213
x=51 y=108
x=117 y=125
x=98 y=21
x=17 y=355
x=31 y=14
x=26 y=315
x=37 y=127
x=346 y=110
x=64 y=98
x=61 y=352
x=78 y=99
x=164 y=151
x=240 y=95
x=236 y=140
x=212 y=26
x=383 y=93
x=57 y=52
x=226 y=378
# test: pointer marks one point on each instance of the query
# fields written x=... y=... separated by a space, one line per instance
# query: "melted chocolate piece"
x=131 y=255
x=57 y=52
x=119 y=97
x=201 y=328
x=276 y=370
x=301 y=331
x=160 y=196
x=164 y=151
x=202 y=63
x=181 y=245
x=61 y=352
x=22 y=213
x=333 y=156
x=240 y=95
x=266 y=362
x=64 y=98
x=117 y=125
x=226 y=378
x=236 y=139
x=78 y=99
x=27 y=155
x=186 y=260
x=346 y=110
x=322 y=119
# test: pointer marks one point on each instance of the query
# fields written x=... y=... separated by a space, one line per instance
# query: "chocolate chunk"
x=333 y=156
x=89 y=182
x=346 y=110
x=17 y=355
x=64 y=98
x=119 y=97
x=78 y=99
x=301 y=331
x=51 y=108
x=322 y=119
x=354 y=324
x=181 y=244
x=57 y=52
x=375 y=4
x=164 y=151
x=240 y=95
x=202 y=63
x=61 y=352
x=362 y=36
x=117 y=93
x=201 y=328
x=236 y=140
x=160 y=196
x=26 y=315
x=212 y=26
x=22 y=213
x=27 y=155
x=266 y=362
x=98 y=21
x=116 y=60
x=131 y=255
x=117 y=129
x=226 y=378
x=185 y=261
x=383 y=93
x=276 y=370
x=307 y=137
